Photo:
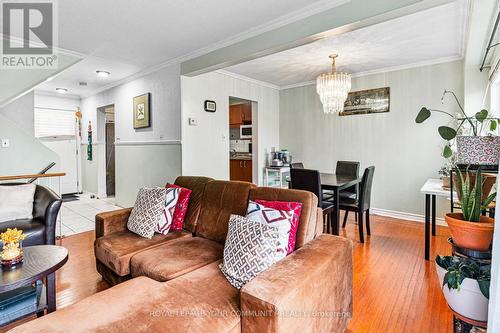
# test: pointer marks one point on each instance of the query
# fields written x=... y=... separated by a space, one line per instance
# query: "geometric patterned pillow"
x=249 y=250
x=280 y=219
x=293 y=207
x=148 y=207
x=166 y=218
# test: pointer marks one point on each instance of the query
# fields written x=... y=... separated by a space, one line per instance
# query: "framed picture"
x=210 y=106
x=367 y=101
x=141 y=111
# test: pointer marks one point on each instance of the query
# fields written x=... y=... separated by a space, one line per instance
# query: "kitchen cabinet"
x=240 y=114
x=240 y=170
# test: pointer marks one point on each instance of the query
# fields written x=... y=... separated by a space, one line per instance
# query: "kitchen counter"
x=241 y=157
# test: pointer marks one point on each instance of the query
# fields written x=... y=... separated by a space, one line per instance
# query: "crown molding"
x=247 y=79
x=386 y=70
x=55 y=94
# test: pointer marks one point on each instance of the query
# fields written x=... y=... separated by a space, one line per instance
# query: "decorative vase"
x=471 y=235
x=12 y=254
x=478 y=150
x=468 y=302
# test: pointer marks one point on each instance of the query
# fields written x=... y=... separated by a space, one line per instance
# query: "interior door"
x=110 y=159
x=66 y=148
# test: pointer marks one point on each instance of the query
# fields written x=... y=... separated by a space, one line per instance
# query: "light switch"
x=5 y=143
x=193 y=121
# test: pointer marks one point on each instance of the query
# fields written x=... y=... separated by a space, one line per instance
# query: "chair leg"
x=360 y=226
x=356 y=218
x=345 y=218
x=367 y=217
x=329 y=222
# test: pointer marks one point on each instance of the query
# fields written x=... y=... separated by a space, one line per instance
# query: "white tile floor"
x=79 y=215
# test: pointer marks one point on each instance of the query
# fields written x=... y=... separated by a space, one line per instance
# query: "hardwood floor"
x=395 y=289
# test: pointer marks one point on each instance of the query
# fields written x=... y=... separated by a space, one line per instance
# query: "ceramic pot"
x=469 y=301
x=471 y=235
x=482 y=150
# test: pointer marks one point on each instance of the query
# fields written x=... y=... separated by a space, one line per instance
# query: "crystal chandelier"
x=333 y=88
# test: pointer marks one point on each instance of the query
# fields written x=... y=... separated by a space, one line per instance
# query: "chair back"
x=307 y=180
x=297 y=165
x=366 y=188
x=347 y=168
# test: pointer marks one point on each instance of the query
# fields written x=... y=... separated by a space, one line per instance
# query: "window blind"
x=51 y=122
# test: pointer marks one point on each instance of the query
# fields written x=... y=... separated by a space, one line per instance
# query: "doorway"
x=242 y=135
x=110 y=149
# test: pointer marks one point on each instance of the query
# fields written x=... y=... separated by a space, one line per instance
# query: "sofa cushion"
x=34 y=229
x=307 y=222
x=181 y=207
x=220 y=200
x=201 y=301
x=170 y=260
x=116 y=249
x=251 y=248
x=197 y=186
x=148 y=207
x=16 y=202
x=167 y=216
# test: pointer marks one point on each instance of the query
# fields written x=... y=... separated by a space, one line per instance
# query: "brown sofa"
x=174 y=283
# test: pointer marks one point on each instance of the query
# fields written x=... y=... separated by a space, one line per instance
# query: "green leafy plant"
x=444 y=171
x=477 y=124
x=470 y=195
x=458 y=269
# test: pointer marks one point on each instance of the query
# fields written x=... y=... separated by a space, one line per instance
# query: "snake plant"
x=470 y=195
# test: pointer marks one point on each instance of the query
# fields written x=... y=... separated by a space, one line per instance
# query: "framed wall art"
x=142 y=117
x=367 y=101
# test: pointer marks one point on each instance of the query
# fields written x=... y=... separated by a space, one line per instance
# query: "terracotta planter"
x=471 y=235
x=469 y=302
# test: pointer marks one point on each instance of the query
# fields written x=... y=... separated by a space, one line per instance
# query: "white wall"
x=205 y=147
x=404 y=154
x=165 y=131
x=22 y=113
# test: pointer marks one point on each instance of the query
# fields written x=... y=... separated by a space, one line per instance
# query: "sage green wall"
x=404 y=154
x=89 y=170
x=144 y=165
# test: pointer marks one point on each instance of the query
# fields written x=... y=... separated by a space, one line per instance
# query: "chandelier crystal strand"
x=333 y=88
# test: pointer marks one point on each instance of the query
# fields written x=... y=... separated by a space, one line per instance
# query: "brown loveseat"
x=174 y=283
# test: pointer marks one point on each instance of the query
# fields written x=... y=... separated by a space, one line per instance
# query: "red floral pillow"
x=296 y=207
x=180 y=208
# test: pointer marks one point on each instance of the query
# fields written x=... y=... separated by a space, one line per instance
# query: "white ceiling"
x=426 y=36
x=128 y=36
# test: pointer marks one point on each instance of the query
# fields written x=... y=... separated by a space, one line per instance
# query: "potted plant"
x=470 y=229
x=465 y=284
x=475 y=136
x=444 y=174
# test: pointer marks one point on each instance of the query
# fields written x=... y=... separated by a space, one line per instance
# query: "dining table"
x=337 y=183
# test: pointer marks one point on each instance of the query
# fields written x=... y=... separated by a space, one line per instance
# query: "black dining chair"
x=360 y=205
x=348 y=169
x=297 y=165
x=310 y=180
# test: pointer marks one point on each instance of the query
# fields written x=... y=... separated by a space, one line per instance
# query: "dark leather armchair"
x=41 y=229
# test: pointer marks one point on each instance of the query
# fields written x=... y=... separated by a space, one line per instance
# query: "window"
x=50 y=123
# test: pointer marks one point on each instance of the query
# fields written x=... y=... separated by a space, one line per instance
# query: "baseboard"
x=404 y=215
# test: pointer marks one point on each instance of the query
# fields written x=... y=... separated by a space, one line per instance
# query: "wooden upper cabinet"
x=240 y=114
x=235 y=114
x=246 y=113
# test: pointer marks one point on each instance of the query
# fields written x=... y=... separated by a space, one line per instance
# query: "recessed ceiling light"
x=62 y=90
x=102 y=73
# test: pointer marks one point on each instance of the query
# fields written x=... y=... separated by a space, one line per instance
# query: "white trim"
x=148 y=142
x=386 y=70
x=56 y=94
x=404 y=215
x=246 y=78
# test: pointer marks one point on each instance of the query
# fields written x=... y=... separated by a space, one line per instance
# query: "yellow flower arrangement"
x=12 y=236
x=11 y=248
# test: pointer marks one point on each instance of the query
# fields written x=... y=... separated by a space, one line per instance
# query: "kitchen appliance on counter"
x=245 y=131
x=281 y=158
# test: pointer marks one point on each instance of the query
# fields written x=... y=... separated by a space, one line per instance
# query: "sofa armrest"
x=308 y=291
x=319 y=222
x=109 y=222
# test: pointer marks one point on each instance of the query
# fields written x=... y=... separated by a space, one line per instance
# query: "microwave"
x=245 y=131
